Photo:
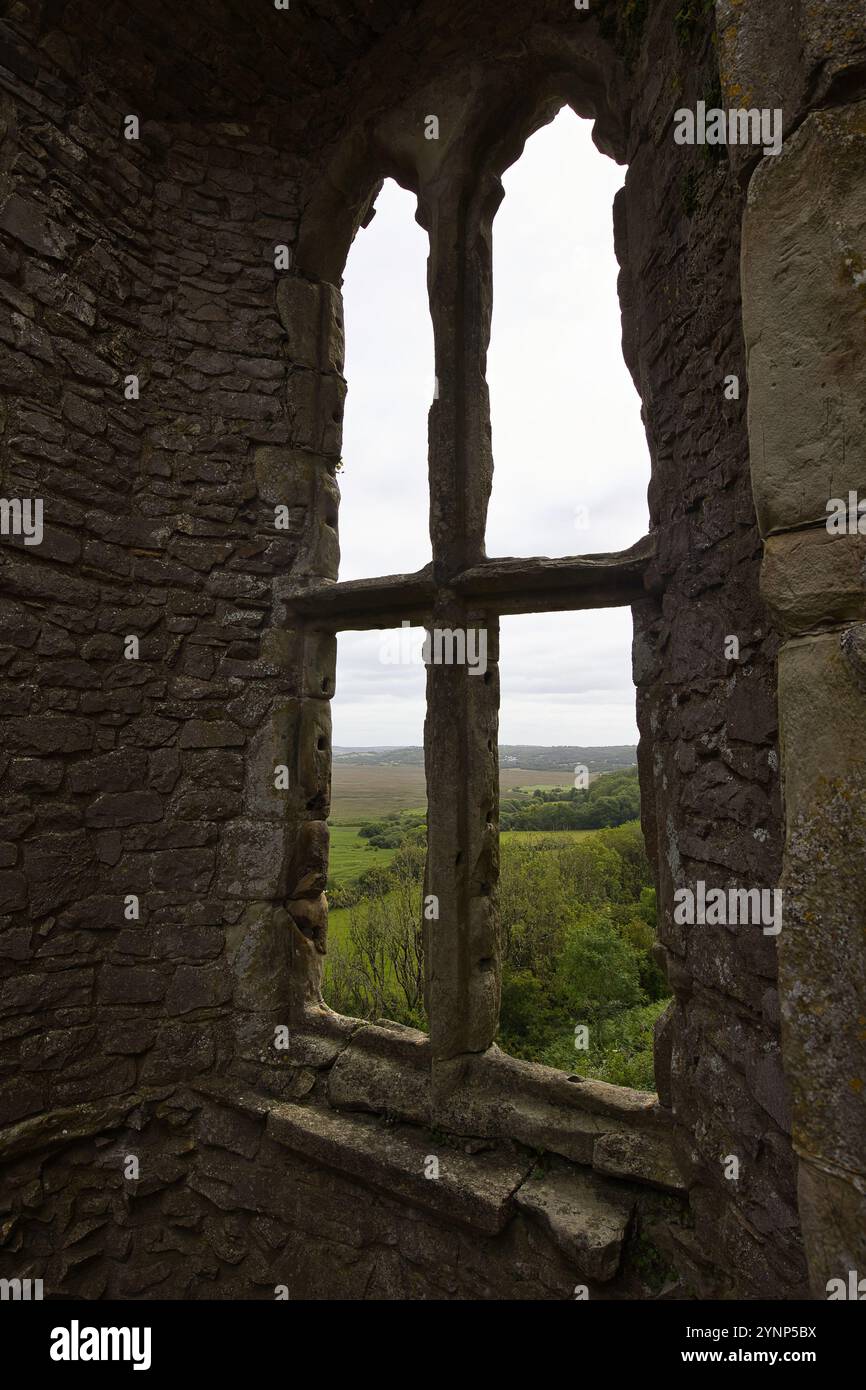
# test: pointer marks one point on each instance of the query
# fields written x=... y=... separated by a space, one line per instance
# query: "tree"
x=598 y=973
x=379 y=971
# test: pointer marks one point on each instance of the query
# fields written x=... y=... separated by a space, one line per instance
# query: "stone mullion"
x=460 y=453
x=460 y=926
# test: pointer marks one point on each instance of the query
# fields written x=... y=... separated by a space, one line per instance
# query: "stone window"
x=464 y=592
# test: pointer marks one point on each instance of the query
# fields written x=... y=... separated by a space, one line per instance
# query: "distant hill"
x=606 y=758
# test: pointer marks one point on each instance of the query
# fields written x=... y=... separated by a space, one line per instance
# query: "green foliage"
x=598 y=971
x=526 y=1015
x=341 y=894
x=391 y=831
x=578 y=925
x=620 y=1051
x=628 y=843
x=372 y=883
x=378 y=970
x=610 y=800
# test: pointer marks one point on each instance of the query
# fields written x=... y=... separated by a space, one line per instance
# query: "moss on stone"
x=623 y=26
x=690 y=20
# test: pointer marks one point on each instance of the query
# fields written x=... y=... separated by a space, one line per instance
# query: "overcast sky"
x=570 y=459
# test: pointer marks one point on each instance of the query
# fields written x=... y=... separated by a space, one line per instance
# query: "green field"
x=351 y=855
x=366 y=793
x=338 y=925
x=360 y=794
x=528 y=837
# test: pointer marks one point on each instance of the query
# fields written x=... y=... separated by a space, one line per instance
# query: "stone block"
x=119 y=809
x=476 y=1190
x=803 y=284
x=211 y=733
x=260 y=957
x=254 y=859
x=311 y=314
x=586 y=1218
x=812 y=579
x=314 y=403
x=197 y=987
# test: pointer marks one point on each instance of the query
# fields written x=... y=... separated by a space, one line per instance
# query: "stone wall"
x=155 y=1037
x=151 y=257
x=708 y=724
x=804 y=283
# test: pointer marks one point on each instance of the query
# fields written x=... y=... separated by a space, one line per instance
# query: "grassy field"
x=350 y=855
x=338 y=925
x=527 y=837
x=360 y=794
x=364 y=793
x=349 y=858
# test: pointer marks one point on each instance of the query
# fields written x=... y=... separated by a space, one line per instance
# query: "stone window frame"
x=455 y=1077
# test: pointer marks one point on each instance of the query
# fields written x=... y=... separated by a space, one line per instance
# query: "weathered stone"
x=13 y=891
x=386 y=1070
x=260 y=957
x=803 y=283
x=30 y=223
x=38 y=773
x=812 y=579
x=312 y=317
x=477 y=1189
x=587 y=1218
x=822 y=711
x=253 y=859
x=229 y=1129
x=122 y=771
x=639 y=1157
x=314 y=403
x=204 y=733
x=124 y=808
x=197 y=987
x=58 y=869
x=310 y=915
x=499 y=1096
x=46 y=734
x=135 y=985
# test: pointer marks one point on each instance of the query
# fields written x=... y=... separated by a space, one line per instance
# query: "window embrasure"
x=459 y=599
